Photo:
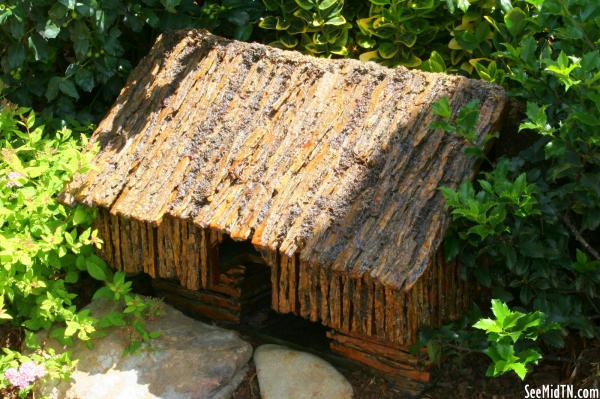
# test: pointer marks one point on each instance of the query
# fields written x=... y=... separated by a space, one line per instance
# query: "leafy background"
x=70 y=58
x=527 y=228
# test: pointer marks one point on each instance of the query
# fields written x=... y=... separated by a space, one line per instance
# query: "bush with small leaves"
x=45 y=246
x=510 y=335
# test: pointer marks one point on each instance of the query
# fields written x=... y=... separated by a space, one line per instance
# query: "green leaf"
x=53 y=88
x=500 y=310
x=170 y=5
x=133 y=346
x=488 y=325
x=271 y=5
x=51 y=30
x=85 y=79
x=15 y=56
x=537 y=3
x=336 y=21
x=81 y=215
x=530 y=356
x=113 y=319
x=562 y=68
x=68 y=87
x=4 y=315
x=268 y=22
x=325 y=4
x=119 y=278
x=466 y=120
x=451 y=245
x=282 y=23
x=367 y=42
x=515 y=20
x=103 y=292
x=434 y=351
x=95 y=269
x=441 y=108
x=537 y=120
x=39 y=46
x=71 y=277
x=519 y=369
x=80 y=36
x=70 y=4
x=387 y=50
x=288 y=41
x=435 y=63
x=71 y=329
x=505 y=5
x=306 y=4
x=554 y=338
x=451 y=6
x=463 y=5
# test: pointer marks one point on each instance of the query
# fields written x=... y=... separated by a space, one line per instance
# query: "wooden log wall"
x=360 y=307
x=183 y=260
x=391 y=360
x=175 y=249
x=356 y=306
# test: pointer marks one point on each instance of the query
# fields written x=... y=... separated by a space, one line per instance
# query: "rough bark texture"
x=223 y=286
x=330 y=164
x=393 y=361
x=361 y=307
x=329 y=168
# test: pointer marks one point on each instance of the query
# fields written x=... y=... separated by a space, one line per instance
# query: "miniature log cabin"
x=240 y=171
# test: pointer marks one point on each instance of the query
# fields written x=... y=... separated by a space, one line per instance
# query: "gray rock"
x=286 y=373
x=190 y=360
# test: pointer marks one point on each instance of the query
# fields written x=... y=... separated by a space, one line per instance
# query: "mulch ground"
x=458 y=378
x=464 y=378
x=366 y=386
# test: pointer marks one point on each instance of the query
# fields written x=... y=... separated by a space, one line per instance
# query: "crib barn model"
x=240 y=171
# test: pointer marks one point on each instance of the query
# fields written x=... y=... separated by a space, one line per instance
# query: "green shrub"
x=45 y=246
x=317 y=27
x=528 y=227
x=510 y=335
x=433 y=35
x=71 y=58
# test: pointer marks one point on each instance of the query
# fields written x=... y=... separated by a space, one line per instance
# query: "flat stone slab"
x=190 y=360
x=290 y=374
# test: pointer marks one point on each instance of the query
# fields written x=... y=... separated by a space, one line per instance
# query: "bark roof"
x=331 y=159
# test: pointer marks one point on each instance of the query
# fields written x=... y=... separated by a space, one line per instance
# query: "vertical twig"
x=580 y=238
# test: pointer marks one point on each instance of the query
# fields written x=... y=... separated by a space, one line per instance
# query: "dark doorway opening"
x=259 y=319
x=238 y=296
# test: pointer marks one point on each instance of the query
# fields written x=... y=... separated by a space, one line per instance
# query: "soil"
x=366 y=386
x=462 y=378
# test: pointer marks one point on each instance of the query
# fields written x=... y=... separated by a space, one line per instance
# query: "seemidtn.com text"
x=560 y=391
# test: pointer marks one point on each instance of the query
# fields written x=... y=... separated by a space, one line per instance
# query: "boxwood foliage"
x=527 y=227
